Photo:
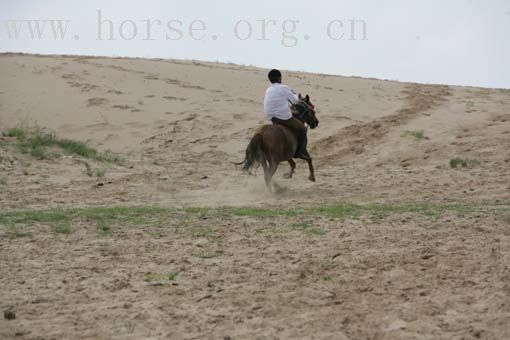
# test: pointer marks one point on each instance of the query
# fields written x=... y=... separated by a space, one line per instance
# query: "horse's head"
x=304 y=110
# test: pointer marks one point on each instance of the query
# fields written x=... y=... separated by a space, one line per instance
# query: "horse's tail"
x=253 y=153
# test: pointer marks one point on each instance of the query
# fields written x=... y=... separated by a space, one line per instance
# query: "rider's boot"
x=301 y=148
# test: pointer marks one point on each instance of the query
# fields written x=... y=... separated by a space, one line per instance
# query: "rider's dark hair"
x=274 y=76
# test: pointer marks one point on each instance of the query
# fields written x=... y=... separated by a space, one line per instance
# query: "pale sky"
x=458 y=42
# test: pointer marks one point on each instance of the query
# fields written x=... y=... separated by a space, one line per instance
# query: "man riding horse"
x=286 y=138
x=276 y=106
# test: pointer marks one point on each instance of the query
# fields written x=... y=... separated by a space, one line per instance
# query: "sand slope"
x=180 y=125
x=179 y=122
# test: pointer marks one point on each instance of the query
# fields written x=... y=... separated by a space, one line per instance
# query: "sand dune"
x=178 y=122
x=180 y=125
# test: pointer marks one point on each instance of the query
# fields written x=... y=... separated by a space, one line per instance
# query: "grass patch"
x=110 y=157
x=38 y=152
x=37 y=216
x=3 y=180
x=62 y=228
x=457 y=162
x=463 y=163
x=380 y=210
x=76 y=147
x=15 y=132
x=190 y=220
x=260 y=212
x=100 y=172
x=36 y=141
x=104 y=227
x=104 y=218
x=13 y=232
x=194 y=210
x=157 y=234
x=418 y=135
x=172 y=276
x=20 y=234
x=152 y=277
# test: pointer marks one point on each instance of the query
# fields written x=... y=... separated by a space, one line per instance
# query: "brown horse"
x=273 y=144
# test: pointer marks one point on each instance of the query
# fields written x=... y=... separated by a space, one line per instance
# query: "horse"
x=273 y=144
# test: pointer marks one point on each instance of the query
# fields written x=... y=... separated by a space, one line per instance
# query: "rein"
x=304 y=113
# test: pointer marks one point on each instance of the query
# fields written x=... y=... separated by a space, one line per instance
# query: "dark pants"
x=299 y=130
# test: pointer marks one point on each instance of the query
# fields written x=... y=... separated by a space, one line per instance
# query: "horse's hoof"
x=312 y=178
x=287 y=176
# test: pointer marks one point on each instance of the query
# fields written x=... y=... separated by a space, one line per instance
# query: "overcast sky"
x=465 y=42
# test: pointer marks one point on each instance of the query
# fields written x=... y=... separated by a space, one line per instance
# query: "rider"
x=276 y=106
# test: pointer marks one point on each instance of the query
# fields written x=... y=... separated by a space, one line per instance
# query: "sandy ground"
x=180 y=125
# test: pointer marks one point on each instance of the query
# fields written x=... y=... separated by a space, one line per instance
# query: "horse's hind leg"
x=269 y=171
x=292 y=169
x=272 y=170
x=267 y=174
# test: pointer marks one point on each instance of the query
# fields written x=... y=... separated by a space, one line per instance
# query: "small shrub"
x=109 y=157
x=39 y=152
x=3 y=180
x=151 y=277
x=457 y=162
x=464 y=163
x=16 y=132
x=76 y=147
x=172 y=276
x=418 y=135
x=100 y=172
x=62 y=228
x=15 y=232
x=41 y=139
x=20 y=234
x=104 y=227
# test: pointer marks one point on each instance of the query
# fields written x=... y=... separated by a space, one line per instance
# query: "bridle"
x=305 y=112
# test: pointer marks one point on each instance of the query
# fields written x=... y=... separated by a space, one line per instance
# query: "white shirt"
x=276 y=102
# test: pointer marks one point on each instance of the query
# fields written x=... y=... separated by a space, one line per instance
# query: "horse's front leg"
x=292 y=169
x=308 y=158
x=310 y=166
